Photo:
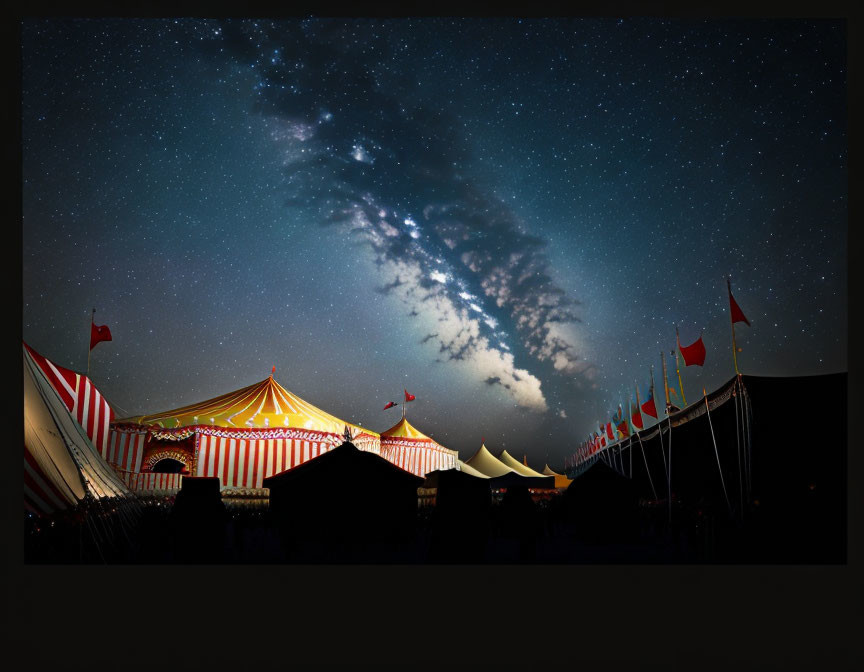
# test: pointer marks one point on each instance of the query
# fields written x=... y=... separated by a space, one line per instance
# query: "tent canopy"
x=261 y=405
x=517 y=466
x=561 y=481
x=61 y=465
x=404 y=429
x=466 y=468
x=486 y=463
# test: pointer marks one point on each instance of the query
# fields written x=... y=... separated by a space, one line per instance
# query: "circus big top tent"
x=241 y=437
x=407 y=447
x=62 y=467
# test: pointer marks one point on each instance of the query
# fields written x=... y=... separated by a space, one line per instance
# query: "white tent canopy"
x=61 y=465
x=486 y=463
x=466 y=468
x=518 y=467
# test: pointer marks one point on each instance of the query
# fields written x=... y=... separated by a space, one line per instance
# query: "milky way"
x=507 y=217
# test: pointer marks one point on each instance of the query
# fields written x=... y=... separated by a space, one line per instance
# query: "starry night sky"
x=506 y=217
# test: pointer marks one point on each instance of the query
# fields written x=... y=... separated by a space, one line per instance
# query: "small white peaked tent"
x=466 y=468
x=486 y=463
x=561 y=481
x=517 y=466
x=62 y=468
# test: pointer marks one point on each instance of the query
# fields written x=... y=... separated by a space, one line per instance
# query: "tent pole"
x=669 y=473
x=736 y=394
x=732 y=323
x=647 y=470
x=678 y=368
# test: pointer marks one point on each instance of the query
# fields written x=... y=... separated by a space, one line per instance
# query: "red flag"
x=99 y=334
x=409 y=397
x=636 y=419
x=609 y=432
x=649 y=408
x=736 y=312
x=273 y=370
x=390 y=404
x=693 y=354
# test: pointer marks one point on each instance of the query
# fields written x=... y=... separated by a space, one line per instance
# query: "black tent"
x=761 y=462
x=345 y=496
x=513 y=480
x=602 y=503
x=460 y=519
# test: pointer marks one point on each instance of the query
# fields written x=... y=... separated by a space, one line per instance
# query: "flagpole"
x=678 y=367
x=732 y=323
x=654 y=394
x=89 y=339
x=665 y=382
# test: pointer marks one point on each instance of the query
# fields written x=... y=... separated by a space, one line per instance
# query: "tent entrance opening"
x=168 y=466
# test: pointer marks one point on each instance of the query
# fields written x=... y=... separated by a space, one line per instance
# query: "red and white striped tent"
x=408 y=448
x=62 y=467
x=81 y=398
x=241 y=437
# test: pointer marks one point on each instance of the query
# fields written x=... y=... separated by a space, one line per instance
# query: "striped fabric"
x=61 y=466
x=240 y=458
x=42 y=494
x=82 y=399
x=262 y=405
x=367 y=442
x=153 y=482
x=407 y=447
x=418 y=457
x=245 y=463
x=126 y=449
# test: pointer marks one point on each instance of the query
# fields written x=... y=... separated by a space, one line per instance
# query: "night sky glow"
x=506 y=217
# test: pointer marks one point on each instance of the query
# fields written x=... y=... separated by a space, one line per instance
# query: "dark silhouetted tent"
x=345 y=495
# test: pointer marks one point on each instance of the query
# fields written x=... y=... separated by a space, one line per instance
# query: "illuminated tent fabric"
x=81 y=398
x=407 y=447
x=561 y=481
x=486 y=463
x=241 y=437
x=261 y=405
x=503 y=475
x=62 y=467
x=517 y=466
x=471 y=471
